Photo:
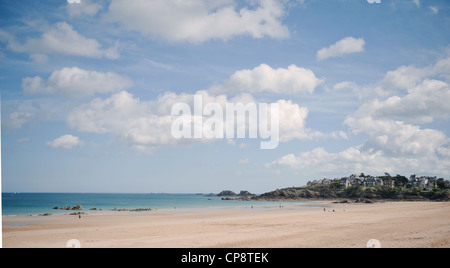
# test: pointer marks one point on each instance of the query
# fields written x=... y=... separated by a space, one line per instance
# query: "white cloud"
x=434 y=9
x=16 y=120
x=198 y=21
x=17 y=113
x=349 y=161
x=75 y=82
x=293 y=80
x=263 y=78
x=391 y=146
x=441 y=69
x=390 y=124
x=61 y=39
x=140 y=125
x=146 y=125
x=85 y=7
x=397 y=138
x=417 y=2
x=293 y=123
x=422 y=104
x=405 y=77
x=108 y=115
x=353 y=160
x=345 y=85
x=411 y=94
x=65 y=142
x=345 y=46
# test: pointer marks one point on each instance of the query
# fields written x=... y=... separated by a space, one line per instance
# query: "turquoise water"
x=39 y=203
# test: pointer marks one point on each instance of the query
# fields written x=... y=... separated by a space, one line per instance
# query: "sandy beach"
x=394 y=224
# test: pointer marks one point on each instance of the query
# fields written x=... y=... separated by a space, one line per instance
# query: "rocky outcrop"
x=290 y=193
x=64 y=208
x=245 y=193
x=294 y=193
x=76 y=207
x=355 y=194
x=230 y=195
x=227 y=193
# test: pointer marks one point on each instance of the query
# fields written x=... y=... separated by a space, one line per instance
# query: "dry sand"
x=397 y=224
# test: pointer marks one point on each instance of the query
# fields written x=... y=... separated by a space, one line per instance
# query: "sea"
x=19 y=204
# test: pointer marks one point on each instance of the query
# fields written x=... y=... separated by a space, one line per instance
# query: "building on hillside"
x=425 y=182
x=369 y=182
x=345 y=182
x=388 y=184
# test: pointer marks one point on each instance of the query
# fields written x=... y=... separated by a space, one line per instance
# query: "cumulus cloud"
x=351 y=160
x=390 y=123
x=343 y=47
x=16 y=120
x=396 y=137
x=390 y=146
x=85 y=7
x=17 y=113
x=61 y=39
x=355 y=160
x=411 y=94
x=293 y=123
x=146 y=125
x=198 y=21
x=75 y=82
x=422 y=104
x=65 y=142
x=263 y=78
x=142 y=125
x=405 y=77
x=408 y=76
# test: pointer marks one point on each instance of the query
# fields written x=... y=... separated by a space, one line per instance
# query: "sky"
x=88 y=87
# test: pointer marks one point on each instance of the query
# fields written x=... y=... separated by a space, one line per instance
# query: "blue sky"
x=86 y=91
